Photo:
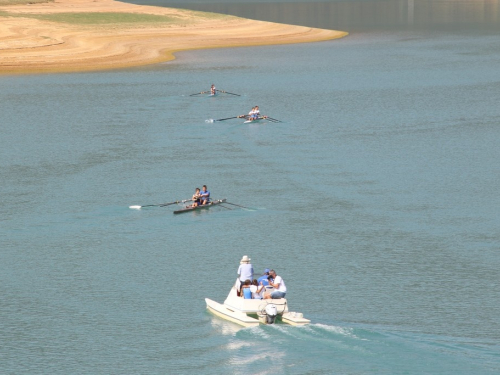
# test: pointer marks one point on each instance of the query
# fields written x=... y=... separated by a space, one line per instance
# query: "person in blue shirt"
x=247 y=292
x=205 y=195
x=263 y=280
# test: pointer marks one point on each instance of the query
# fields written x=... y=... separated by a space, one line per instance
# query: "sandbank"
x=84 y=35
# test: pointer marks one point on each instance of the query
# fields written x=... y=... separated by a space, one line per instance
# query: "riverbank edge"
x=159 y=44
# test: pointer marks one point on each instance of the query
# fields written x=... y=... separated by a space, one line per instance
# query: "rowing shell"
x=256 y=120
x=211 y=204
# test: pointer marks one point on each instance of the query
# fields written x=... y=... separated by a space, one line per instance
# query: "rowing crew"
x=202 y=197
x=254 y=114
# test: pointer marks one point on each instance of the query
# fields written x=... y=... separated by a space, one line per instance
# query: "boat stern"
x=227 y=313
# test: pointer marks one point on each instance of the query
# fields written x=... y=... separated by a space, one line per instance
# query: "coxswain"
x=204 y=195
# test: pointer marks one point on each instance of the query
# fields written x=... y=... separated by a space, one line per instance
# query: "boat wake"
x=308 y=332
x=312 y=347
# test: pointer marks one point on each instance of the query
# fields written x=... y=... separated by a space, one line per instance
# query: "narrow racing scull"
x=200 y=207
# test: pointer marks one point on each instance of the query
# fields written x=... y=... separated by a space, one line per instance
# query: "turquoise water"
x=376 y=200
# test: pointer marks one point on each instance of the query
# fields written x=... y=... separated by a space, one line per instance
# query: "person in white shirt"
x=257 y=290
x=279 y=286
x=245 y=270
x=251 y=114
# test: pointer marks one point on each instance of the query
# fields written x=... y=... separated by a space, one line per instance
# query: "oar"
x=230 y=93
x=273 y=119
x=237 y=205
x=221 y=119
x=159 y=205
x=199 y=93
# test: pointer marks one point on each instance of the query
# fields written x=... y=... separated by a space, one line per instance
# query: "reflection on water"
x=357 y=15
x=225 y=327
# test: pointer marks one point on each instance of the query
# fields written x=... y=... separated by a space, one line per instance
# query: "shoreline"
x=96 y=35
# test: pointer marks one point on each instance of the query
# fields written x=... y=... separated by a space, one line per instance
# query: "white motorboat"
x=252 y=312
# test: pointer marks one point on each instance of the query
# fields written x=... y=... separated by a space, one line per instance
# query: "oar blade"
x=243 y=207
x=198 y=93
x=224 y=119
x=230 y=93
x=273 y=119
x=159 y=205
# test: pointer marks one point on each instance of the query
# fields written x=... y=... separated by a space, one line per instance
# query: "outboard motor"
x=271 y=313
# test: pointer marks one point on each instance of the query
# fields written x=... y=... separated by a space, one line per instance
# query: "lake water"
x=376 y=199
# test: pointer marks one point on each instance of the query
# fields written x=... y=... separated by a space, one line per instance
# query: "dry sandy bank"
x=80 y=35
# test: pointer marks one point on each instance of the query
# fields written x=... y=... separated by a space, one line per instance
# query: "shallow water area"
x=375 y=199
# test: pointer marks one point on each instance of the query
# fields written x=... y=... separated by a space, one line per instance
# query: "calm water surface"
x=376 y=200
x=358 y=15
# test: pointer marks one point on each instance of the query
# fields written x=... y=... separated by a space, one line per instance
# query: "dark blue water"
x=375 y=199
x=359 y=15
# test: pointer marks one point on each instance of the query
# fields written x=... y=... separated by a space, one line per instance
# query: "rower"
x=213 y=90
x=204 y=195
x=196 y=198
x=257 y=113
x=254 y=114
x=250 y=115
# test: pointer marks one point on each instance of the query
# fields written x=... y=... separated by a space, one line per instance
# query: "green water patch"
x=104 y=18
x=21 y=2
x=207 y=15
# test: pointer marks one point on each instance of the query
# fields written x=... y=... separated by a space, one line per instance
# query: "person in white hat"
x=245 y=270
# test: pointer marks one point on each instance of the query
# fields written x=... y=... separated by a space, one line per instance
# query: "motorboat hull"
x=230 y=314
x=249 y=312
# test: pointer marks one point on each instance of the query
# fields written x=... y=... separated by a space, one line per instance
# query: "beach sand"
x=83 y=35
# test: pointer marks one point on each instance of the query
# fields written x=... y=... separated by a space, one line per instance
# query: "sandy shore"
x=81 y=35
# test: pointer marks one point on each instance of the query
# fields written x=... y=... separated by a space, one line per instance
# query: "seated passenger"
x=263 y=279
x=258 y=290
x=278 y=284
x=247 y=293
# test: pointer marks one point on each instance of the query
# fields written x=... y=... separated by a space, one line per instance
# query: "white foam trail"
x=237 y=345
x=282 y=328
x=245 y=361
x=276 y=355
x=209 y=121
x=135 y=207
x=337 y=330
x=225 y=327
x=258 y=331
